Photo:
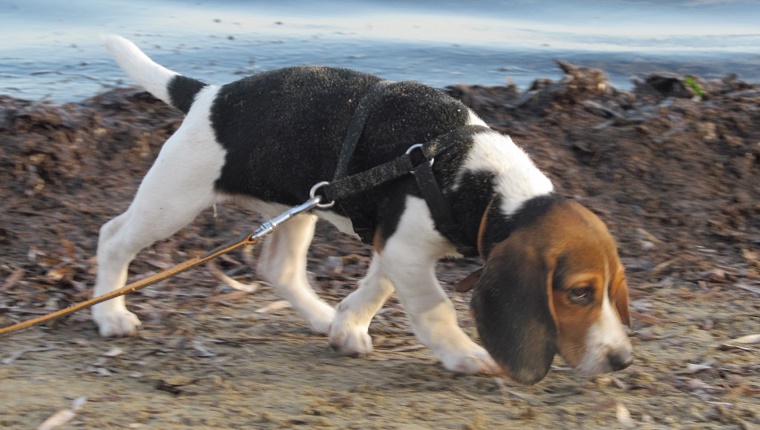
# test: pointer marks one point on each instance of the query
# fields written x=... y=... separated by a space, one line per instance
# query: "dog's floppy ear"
x=469 y=282
x=513 y=310
x=619 y=297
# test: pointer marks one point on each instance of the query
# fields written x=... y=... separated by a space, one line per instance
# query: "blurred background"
x=51 y=50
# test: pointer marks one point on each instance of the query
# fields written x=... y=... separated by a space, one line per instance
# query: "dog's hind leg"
x=179 y=185
x=152 y=216
x=348 y=331
x=283 y=264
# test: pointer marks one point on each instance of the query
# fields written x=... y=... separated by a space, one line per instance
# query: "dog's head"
x=555 y=284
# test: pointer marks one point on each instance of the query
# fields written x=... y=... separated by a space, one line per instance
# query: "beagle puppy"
x=552 y=280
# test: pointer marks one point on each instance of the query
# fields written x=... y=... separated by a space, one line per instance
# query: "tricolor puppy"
x=552 y=280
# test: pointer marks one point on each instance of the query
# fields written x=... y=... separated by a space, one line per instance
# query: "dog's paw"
x=473 y=361
x=351 y=343
x=115 y=322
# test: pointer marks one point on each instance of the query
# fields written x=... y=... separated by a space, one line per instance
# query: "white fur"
x=409 y=261
x=474 y=119
x=151 y=76
x=408 y=264
x=178 y=186
x=605 y=337
x=517 y=178
x=283 y=264
x=349 y=330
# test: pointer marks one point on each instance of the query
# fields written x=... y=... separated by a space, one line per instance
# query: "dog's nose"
x=620 y=360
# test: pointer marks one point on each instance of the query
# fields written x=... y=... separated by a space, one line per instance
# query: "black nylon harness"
x=418 y=161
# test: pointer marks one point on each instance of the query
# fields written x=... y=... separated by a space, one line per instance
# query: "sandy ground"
x=672 y=166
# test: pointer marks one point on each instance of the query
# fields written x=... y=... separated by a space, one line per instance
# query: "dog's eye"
x=581 y=296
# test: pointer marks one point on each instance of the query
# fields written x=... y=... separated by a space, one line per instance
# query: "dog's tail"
x=171 y=87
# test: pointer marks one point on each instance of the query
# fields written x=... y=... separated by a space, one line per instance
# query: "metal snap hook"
x=313 y=194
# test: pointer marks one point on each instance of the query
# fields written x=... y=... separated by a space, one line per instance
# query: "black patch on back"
x=182 y=91
x=283 y=132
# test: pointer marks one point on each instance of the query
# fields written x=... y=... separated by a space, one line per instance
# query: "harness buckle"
x=418 y=146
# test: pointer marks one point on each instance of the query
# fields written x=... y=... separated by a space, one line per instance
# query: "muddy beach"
x=672 y=166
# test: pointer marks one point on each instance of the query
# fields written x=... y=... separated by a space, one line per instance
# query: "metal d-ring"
x=313 y=194
x=418 y=146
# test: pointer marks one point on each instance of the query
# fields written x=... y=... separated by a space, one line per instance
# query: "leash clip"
x=313 y=195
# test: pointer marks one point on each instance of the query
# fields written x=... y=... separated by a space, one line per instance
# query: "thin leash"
x=245 y=239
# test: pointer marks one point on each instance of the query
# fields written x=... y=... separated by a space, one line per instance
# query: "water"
x=51 y=50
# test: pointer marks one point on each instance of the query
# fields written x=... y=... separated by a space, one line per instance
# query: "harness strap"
x=403 y=165
x=343 y=186
x=396 y=168
x=356 y=127
x=439 y=208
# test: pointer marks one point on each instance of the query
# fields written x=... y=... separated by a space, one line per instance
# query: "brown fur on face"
x=542 y=289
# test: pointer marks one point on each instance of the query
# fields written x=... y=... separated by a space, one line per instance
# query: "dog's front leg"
x=348 y=331
x=434 y=319
x=408 y=260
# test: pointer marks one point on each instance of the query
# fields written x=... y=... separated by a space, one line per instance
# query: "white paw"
x=321 y=318
x=348 y=342
x=471 y=361
x=115 y=322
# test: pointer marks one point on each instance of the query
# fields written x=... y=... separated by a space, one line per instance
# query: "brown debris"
x=674 y=176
